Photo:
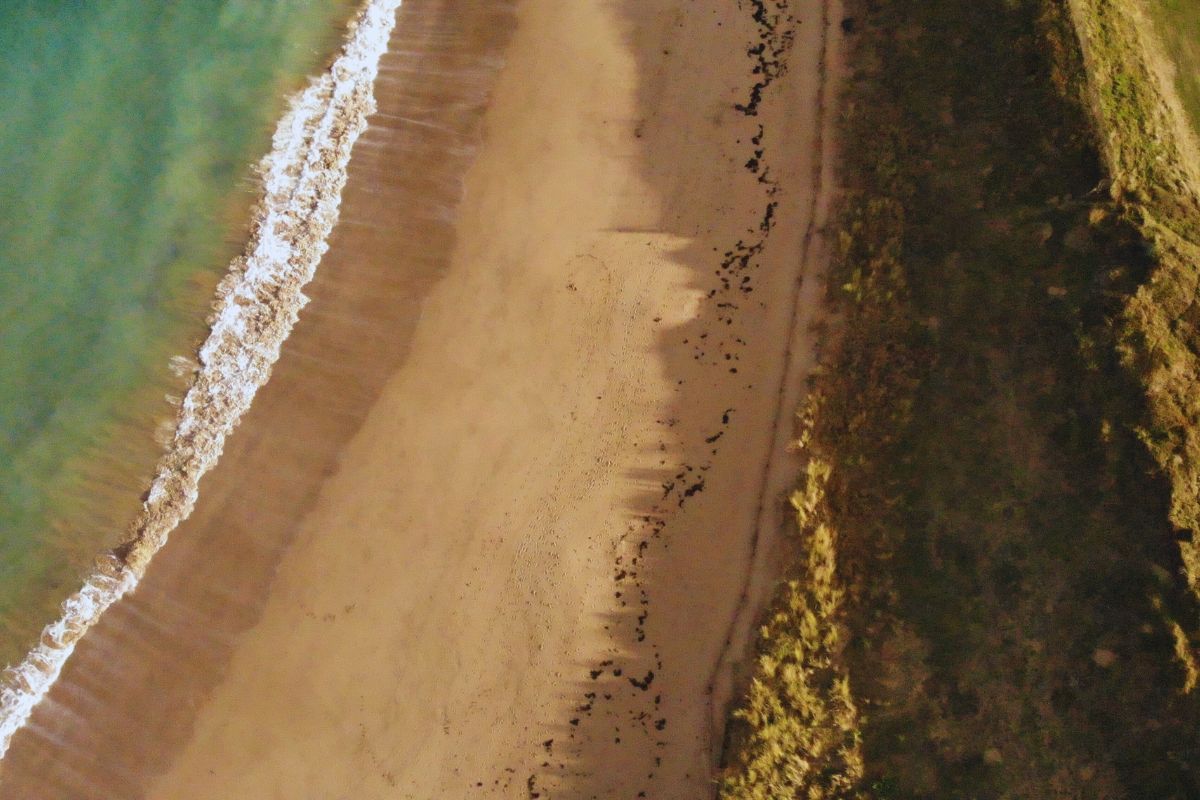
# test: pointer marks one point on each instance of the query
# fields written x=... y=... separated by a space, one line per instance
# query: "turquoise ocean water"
x=127 y=133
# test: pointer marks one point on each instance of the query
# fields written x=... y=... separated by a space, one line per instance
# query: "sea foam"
x=256 y=305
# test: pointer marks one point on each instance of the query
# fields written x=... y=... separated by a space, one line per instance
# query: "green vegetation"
x=991 y=601
x=1177 y=23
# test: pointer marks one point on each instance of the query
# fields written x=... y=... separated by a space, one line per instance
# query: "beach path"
x=499 y=523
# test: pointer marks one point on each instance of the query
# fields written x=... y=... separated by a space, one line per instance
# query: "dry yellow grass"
x=802 y=724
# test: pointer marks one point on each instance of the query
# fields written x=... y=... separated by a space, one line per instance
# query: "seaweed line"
x=737 y=618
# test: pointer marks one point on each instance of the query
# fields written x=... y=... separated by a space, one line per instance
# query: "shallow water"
x=127 y=697
x=127 y=130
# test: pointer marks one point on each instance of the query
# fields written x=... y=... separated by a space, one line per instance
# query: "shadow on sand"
x=649 y=709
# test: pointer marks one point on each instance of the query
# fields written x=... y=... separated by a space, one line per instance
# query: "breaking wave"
x=256 y=305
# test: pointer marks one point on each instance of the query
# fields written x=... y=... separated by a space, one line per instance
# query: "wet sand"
x=499 y=522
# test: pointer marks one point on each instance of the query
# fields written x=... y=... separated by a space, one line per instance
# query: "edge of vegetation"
x=1151 y=185
x=800 y=730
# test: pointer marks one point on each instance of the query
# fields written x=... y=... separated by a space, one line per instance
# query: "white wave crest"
x=256 y=305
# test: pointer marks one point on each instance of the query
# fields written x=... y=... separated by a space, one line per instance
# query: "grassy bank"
x=991 y=601
x=1154 y=186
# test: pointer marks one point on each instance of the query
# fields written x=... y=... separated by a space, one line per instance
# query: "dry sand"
x=498 y=524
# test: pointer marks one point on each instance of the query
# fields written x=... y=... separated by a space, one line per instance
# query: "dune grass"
x=800 y=725
x=990 y=600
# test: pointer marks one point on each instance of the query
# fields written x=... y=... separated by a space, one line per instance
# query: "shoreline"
x=533 y=440
x=72 y=479
x=256 y=305
x=127 y=694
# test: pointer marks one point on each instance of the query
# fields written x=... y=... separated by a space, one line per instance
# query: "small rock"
x=1104 y=658
x=1056 y=291
x=992 y=756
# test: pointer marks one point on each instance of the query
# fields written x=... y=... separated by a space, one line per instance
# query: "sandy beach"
x=500 y=522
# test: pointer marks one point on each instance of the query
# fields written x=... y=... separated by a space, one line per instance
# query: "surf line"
x=256 y=305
